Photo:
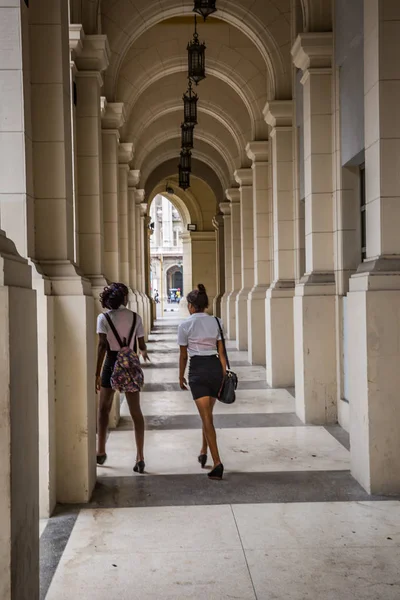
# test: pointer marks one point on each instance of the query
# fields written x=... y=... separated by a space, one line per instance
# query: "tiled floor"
x=287 y=523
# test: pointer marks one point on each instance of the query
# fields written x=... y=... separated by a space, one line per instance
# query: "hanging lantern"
x=187 y=135
x=186 y=160
x=204 y=8
x=196 y=57
x=190 y=100
x=184 y=179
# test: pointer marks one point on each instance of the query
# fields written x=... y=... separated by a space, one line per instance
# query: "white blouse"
x=200 y=334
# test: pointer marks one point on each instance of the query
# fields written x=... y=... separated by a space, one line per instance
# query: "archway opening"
x=166 y=254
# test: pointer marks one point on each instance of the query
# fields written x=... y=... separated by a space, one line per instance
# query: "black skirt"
x=108 y=369
x=205 y=376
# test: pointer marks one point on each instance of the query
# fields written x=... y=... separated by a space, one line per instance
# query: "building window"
x=363 y=208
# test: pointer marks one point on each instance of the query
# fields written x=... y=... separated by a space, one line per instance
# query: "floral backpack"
x=127 y=374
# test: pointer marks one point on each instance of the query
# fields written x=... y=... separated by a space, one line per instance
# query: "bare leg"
x=204 y=445
x=205 y=407
x=105 y=404
x=133 y=399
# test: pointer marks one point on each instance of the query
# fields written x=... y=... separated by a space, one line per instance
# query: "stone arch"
x=225 y=120
x=173 y=134
x=165 y=173
x=184 y=202
x=138 y=21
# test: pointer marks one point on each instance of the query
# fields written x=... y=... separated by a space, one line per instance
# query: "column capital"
x=225 y=207
x=313 y=51
x=76 y=37
x=258 y=151
x=114 y=115
x=125 y=153
x=133 y=178
x=139 y=197
x=233 y=194
x=279 y=113
x=92 y=52
x=143 y=208
x=244 y=177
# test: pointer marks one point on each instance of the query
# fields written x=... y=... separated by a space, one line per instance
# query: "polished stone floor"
x=287 y=523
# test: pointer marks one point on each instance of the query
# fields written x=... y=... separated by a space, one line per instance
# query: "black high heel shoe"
x=217 y=473
x=101 y=459
x=202 y=458
x=139 y=467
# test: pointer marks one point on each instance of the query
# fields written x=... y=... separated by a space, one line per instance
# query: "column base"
x=315 y=351
x=242 y=319
x=256 y=325
x=280 y=335
x=19 y=469
x=231 y=315
x=374 y=381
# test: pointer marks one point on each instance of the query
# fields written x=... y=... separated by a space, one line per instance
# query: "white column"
x=113 y=119
x=279 y=307
x=218 y=223
x=91 y=55
x=374 y=298
x=233 y=195
x=225 y=208
x=125 y=156
x=203 y=262
x=258 y=153
x=19 y=447
x=314 y=303
x=244 y=177
x=133 y=180
x=72 y=326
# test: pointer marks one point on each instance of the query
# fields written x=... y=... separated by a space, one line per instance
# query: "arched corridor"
x=288 y=193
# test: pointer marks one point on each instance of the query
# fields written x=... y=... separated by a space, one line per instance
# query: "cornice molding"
x=313 y=51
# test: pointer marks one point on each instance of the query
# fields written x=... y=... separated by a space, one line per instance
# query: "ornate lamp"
x=204 y=8
x=186 y=161
x=190 y=100
x=184 y=178
x=187 y=135
x=196 y=57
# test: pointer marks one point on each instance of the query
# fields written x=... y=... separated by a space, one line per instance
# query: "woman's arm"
x=222 y=355
x=183 y=358
x=143 y=349
x=101 y=352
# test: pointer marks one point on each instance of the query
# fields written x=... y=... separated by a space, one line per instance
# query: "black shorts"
x=108 y=369
x=205 y=376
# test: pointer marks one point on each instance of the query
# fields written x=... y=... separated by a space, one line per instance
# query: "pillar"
x=203 y=262
x=374 y=298
x=91 y=56
x=72 y=326
x=225 y=208
x=141 y=211
x=19 y=471
x=279 y=306
x=113 y=118
x=244 y=177
x=218 y=223
x=133 y=180
x=233 y=195
x=258 y=154
x=314 y=302
x=125 y=155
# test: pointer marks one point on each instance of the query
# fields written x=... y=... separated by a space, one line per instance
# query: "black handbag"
x=227 y=394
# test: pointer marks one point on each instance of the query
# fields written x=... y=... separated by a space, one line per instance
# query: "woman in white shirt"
x=114 y=299
x=200 y=339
